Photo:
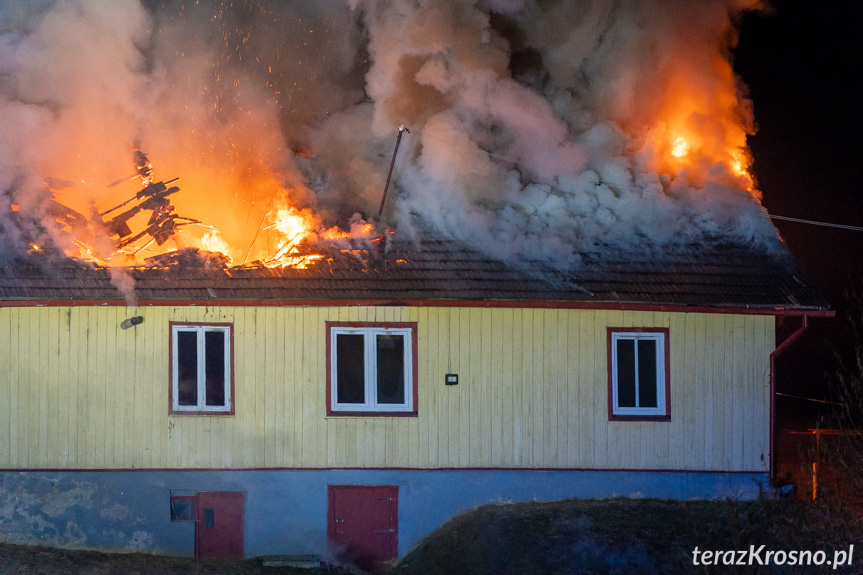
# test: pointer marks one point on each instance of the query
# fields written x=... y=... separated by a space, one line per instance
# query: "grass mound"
x=628 y=536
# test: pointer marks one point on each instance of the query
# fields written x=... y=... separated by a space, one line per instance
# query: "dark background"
x=803 y=62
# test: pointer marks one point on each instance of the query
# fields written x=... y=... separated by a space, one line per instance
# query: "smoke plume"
x=540 y=130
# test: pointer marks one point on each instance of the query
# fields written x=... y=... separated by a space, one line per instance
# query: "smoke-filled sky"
x=538 y=128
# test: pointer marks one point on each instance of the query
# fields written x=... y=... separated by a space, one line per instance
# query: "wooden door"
x=219 y=528
x=363 y=524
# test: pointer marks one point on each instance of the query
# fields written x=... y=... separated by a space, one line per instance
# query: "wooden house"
x=348 y=409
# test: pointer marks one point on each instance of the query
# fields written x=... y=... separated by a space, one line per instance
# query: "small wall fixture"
x=452 y=379
x=132 y=322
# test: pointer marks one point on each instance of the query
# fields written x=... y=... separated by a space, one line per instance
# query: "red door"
x=219 y=528
x=363 y=524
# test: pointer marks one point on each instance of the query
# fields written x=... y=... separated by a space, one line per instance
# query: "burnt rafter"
x=162 y=224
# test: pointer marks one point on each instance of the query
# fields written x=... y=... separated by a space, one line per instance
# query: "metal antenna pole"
x=402 y=129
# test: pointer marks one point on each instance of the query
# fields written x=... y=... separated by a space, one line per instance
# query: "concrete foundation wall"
x=285 y=511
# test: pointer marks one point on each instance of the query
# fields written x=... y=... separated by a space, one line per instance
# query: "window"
x=638 y=374
x=371 y=368
x=183 y=507
x=201 y=369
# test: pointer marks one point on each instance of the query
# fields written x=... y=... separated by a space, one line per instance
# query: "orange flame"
x=293 y=227
x=680 y=147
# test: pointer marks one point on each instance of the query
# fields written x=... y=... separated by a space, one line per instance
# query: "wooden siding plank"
x=527 y=376
x=290 y=385
x=570 y=428
x=51 y=355
x=474 y=411
x=560 y=404
x=550 y=385
x=312 y=340
x=537 y=390
x=677 y=433
x=161 y=376
x=115 y=386
x=715 y=426
x=506 y=373
x=606 y=433
x=661 y=432
x=95 y=395
x=750 y=393
x=446 y=396
x=591 y=384
x=700 y=392
x=518 y=406
x=494 y=356
x=738 y=393
x=464 y=343
x=279 y=388
x=17 y=399
x=131 y=396
x=39 y=393
x=6 y=446
x=83 y=407
x=256 y=378
x=305 y=321
x=271 y=428
x=457 y=392
x=248 y=416
x=429 y=386
x=709 y=395
x=98 y=400
x=727 y=390
x=414 y=450
x=489 y=391
x=72 y=319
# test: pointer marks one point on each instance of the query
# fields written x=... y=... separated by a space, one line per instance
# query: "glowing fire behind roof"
x=540 y=131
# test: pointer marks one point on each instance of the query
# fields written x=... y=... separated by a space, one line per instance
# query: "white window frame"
x=202 y=406
x=659 y=338
x=370 y=403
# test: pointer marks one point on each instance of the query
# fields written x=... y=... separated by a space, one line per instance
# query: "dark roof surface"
x=722 y=275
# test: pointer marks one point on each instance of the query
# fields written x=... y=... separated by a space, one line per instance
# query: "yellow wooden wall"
x=76 y=392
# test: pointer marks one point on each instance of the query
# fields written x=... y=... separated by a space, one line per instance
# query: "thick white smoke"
x=539 y=129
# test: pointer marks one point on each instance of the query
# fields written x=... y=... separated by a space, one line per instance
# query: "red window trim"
x=667 y=345
x=194 y=413
x=414 y=368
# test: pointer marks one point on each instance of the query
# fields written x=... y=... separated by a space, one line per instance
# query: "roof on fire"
x=401 y=272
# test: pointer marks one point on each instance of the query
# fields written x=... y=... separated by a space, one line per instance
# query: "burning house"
x=573 y=290
x=359 y=403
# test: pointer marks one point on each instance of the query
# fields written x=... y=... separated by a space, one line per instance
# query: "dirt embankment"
x=566 y=537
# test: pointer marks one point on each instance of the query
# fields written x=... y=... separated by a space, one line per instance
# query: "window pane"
x=214 y=354
x=391 y=368
x=626 y=373
x=181 y=510
x=350 y=368
x=647 y=373
x=187 y=368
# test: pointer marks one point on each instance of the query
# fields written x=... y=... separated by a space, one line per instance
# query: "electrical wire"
x=815 y=223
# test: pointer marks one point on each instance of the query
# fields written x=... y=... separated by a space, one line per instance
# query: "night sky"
x=803 y=63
